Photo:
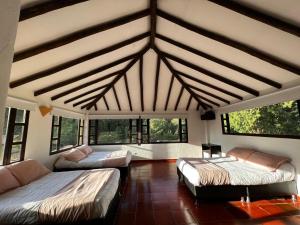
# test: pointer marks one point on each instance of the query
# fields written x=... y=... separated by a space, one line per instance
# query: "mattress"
x=240 y=173
x=23 y=205
x=95 y=160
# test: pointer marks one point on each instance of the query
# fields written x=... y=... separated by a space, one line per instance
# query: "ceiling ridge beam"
x=117 y=78
x=73 y=62
x=231 y=42
x=220 y=61
x=141 y=76
x=127 y=91
x=164 y=59
x=84 y=94
x=156 y=83
x=80 y=34
x=212 y=74
x=179 y=97
x=105 y=102
x=169 y=92
x=209 y=85
x=116 y=97
x=85 y=100
x=85 y=85
x=83 y=76
x=153 y=17
x=189 y=103
x=46 y=7
x=209 y=94
x=208 y=100
x=259 y=16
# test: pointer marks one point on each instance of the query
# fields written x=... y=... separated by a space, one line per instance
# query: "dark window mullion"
x=24 y=138
x=180 y=130
x=59 y=133
x=9 y=136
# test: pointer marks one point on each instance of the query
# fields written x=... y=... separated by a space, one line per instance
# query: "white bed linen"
x=241 y=173
x=20 y=206
x=97 y=160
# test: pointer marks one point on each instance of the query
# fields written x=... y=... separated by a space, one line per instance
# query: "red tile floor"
x=153 y=196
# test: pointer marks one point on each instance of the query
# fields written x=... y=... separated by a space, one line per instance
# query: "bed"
x=117 y=159
x=236 y=176
x=63 y=198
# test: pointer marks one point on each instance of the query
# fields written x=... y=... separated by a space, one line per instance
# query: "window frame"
x=59 y=150
x=139 y=132
x=226 y=128
x=9 y=142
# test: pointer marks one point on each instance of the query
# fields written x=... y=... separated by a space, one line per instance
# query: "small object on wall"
x=208 y=115
x=45 y=110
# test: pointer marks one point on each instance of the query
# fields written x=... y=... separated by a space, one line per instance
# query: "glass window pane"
x=68 y=133
x=113 y=131
x=92 y=130
x=145 y=139
x=133 y=130
x=134 y=138
x=92 y=122
x=20 y=116
x=55 y=120
x=18 y=133
x=145 y=130
x=55 y=132
x=184 y=138
x=80 y=131
x=15 y=153
x=278 y=119
x=54 y=145
x=5 y=124
x=133 y=122
x=92 y=140
x=164 y=130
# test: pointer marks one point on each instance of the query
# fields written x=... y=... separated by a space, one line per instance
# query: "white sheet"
x=97 y=160
x=19 y=206
x=241 y=173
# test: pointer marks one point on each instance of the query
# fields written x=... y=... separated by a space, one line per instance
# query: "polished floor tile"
x=152 y=195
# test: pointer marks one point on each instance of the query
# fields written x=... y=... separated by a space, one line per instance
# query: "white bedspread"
x=20 y=206
x=95 y=160
x=241 y=173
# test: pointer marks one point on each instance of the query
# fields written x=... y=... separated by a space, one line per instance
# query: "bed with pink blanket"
x=62 y=198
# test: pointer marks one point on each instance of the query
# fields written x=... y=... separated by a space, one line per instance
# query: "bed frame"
x=124 y=171
x=235 y=192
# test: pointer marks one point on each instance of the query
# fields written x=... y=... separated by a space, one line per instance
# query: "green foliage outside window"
x=164 y=130
x=278 y=119
x=69 y=132
x=113 y=131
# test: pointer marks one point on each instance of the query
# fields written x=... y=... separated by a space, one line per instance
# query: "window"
x=14 y=135
x=168 y=130
x=66 y=133
x=137 y=131
x=278 y=120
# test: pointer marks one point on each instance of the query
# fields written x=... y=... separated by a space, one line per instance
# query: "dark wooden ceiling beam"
x=116 y=97
x=73 y=62
x=198 y=106
x=96 y=107
x=211 y=74
x=141 y=76
x=83 y=76
x=208 y=100
x=85 y=85
x=209 y=85
x=153 y=8
x=220 y=61
x=85 y=93
x=230 y=42
x=127 y=91
x=169 y=92
x=105 y=102
x=117 y=78
x=46 y=7
x=209 y=94
x=173 y=72
x=77 y=35
x=259 y=16
x=156 y=83
x=85 y=100
x=189 y=103
x=179 y=98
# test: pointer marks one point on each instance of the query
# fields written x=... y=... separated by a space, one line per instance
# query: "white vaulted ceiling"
x=191 y=87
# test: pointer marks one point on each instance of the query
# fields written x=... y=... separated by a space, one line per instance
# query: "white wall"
x=196 y=132
x=9 y=14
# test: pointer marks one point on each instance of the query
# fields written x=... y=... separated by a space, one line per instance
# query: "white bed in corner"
x=115 y=159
